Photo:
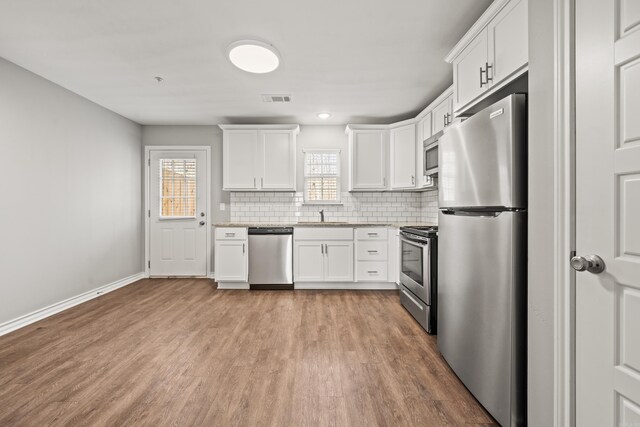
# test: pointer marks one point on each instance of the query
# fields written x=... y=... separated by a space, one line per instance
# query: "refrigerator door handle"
x=493 y=214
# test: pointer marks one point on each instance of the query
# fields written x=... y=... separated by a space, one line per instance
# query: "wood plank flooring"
x=180 y=352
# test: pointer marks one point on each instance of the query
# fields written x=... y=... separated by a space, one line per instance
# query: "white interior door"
x=178 y=215
x=608 y=212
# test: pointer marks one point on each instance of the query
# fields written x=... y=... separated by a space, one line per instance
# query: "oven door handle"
x=414 y=243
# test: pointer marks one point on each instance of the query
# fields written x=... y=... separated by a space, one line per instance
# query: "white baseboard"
x=354 y=286
x=45 y=312
x=233 y=285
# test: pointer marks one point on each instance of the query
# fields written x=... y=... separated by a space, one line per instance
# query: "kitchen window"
x=177 y=188
x=322 y=176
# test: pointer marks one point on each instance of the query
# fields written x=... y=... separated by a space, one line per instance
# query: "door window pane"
x=177 y=188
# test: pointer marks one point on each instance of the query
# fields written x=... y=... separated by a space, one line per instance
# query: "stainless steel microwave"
x=430 y=153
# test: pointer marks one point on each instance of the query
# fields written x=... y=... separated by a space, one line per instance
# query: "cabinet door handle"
x=487 y=66
x=413 y=179
x=372 y=234
x=243 y=248
x=254 y=182
x=261 y=182
x=372 y=271
x=322 y=248
x=482 y=83
x=384 y=181
x=444 y=119
x=326 y=249
x=448 y=119
x=373 y=252
x=229 y=234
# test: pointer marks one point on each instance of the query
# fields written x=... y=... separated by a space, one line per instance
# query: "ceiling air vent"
x=276 y=98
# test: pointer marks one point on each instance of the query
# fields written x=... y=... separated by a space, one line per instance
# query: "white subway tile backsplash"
x=275 y=207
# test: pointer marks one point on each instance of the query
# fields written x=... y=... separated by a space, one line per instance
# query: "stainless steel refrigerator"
x=482 y=260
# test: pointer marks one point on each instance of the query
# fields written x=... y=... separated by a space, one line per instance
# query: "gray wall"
x=70 y=189
x=541 y=202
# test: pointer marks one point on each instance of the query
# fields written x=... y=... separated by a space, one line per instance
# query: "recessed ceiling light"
x=324 y=116
x=253 y=56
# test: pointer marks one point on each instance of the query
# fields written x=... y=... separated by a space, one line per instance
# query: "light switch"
x=223 y=206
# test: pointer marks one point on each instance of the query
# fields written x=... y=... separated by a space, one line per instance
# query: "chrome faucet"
x=321 y=215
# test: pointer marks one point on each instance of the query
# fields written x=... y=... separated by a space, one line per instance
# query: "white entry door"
x=178 y=216
x=608 y=212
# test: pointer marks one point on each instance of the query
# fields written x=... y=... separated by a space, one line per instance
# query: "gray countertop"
x=326 y=224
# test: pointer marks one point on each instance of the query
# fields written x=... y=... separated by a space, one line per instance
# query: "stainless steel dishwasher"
x=271 y=257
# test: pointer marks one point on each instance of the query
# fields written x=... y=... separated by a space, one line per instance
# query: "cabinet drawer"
x=231 y=233
x=372 y=251
x=372 y=271
x=323 y=233
x=371 y=233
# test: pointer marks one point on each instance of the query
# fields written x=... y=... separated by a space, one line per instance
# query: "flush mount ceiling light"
x=253 y=56
x=324 y=116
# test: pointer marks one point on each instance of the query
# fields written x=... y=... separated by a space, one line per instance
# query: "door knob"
x=202 y=223
x=591 y=263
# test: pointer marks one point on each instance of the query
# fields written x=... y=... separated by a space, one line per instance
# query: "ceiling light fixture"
x=324 y=116
x=253 y=56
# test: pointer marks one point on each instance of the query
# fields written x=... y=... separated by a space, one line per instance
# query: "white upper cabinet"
x=259 y=158
x=442 y=115
x=403 y=156
x=239 y=153
x=425 y=128
x=492 y=53
x=469 y=70
x=368 y=159
x=509 y=40
x=278 y=157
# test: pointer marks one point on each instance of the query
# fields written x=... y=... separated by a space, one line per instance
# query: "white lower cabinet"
x=231 y=261
x=231 y=255
x=308 y=261
x=323 y=261
x=372 y=271
x=338 y=265
x=372 y=256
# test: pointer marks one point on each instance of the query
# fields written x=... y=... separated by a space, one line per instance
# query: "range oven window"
x=412 y=262
x=431 y=157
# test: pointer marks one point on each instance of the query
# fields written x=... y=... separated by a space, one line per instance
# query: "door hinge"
x=148 y=264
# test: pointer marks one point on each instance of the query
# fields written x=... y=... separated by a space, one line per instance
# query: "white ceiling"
x=365 y=61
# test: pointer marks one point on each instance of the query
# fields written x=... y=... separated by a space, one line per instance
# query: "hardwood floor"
x=179 y=352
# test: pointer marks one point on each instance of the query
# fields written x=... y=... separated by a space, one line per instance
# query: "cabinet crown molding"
x=292 y=127
x=352 y=127
x=476 y=28
x=444 y=95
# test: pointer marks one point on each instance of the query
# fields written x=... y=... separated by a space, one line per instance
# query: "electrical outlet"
x=223 y=206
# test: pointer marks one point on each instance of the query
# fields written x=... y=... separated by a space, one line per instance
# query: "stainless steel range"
x=419 y=275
